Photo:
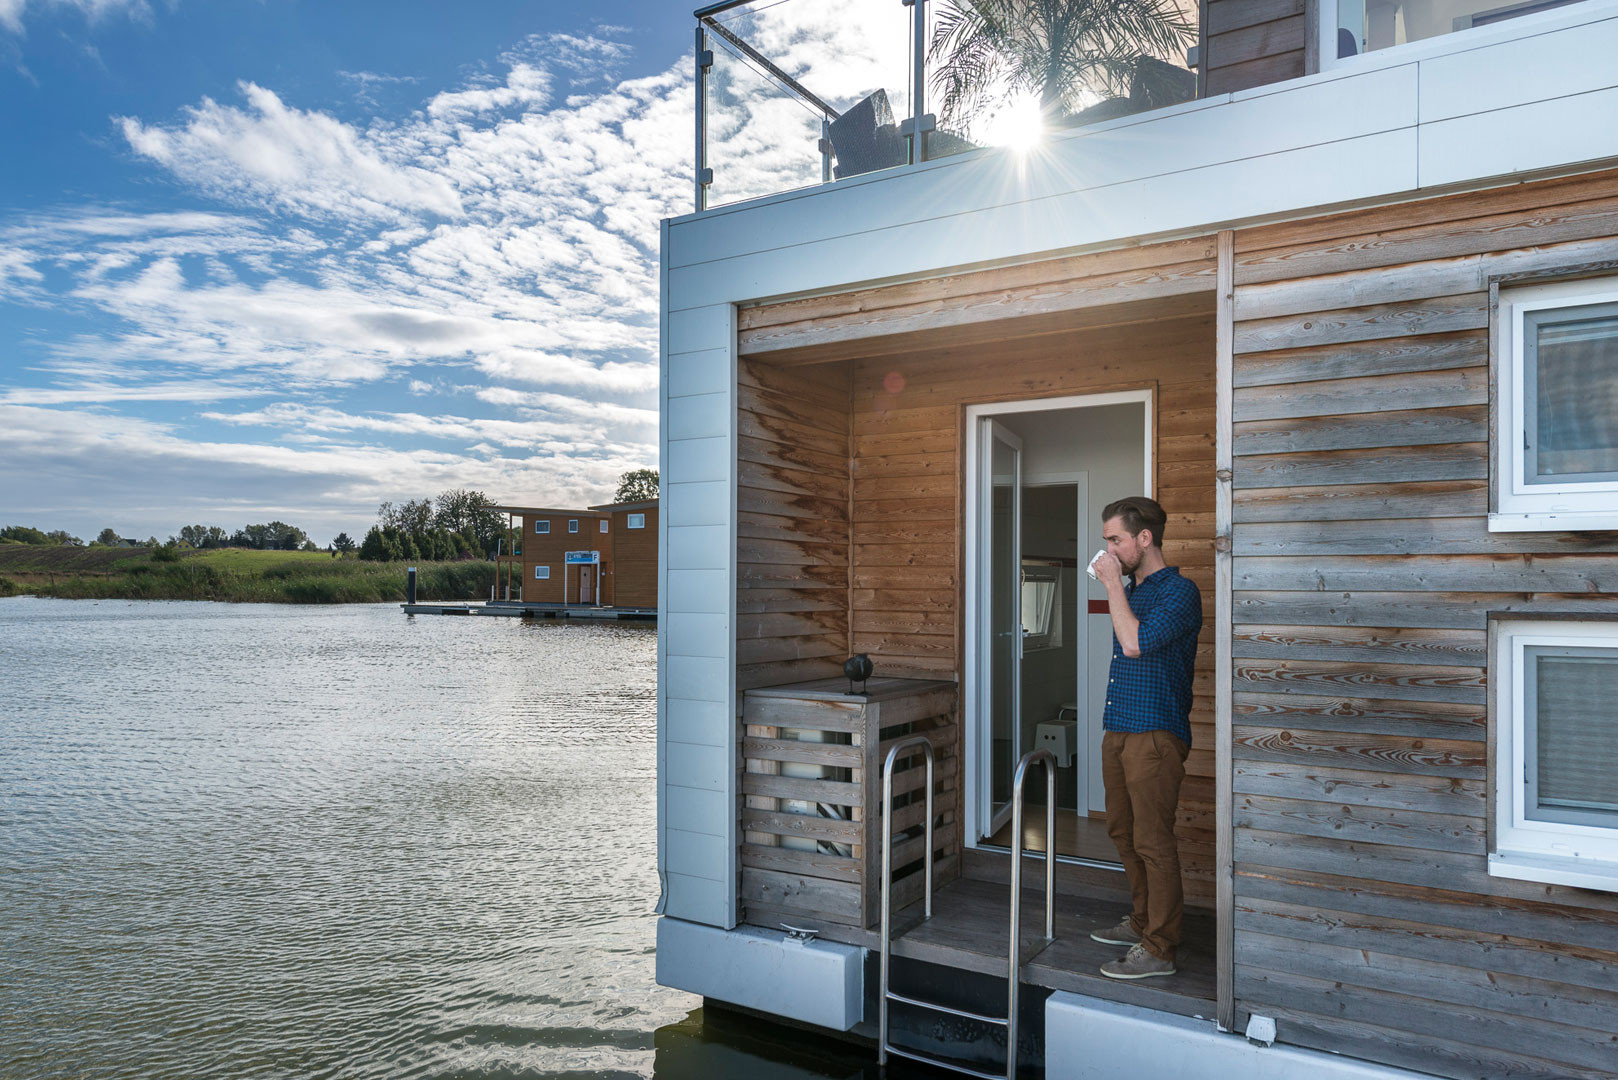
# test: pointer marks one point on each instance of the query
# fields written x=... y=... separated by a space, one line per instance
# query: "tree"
x=22 y=534
x=107 y=537
x=343 y=543
x=985 y=52
x=637 y=485
x=62 y=536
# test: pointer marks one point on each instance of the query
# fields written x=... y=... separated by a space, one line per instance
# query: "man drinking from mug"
x=1147 y=728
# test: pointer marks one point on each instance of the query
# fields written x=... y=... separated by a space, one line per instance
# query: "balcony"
x=793 y=93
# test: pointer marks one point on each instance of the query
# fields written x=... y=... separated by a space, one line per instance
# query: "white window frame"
x=1052 y=637
x=603 y=524
x=542 y=527
x=1452 y=42
x=572 y=525
x=1515 y=505
x=542 y=573
x=1553 y=852
x=635 y=521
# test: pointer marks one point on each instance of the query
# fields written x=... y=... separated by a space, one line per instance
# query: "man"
x=1147 y=728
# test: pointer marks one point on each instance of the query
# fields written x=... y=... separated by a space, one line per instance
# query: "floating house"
x=1349 y=311
x=602 y=556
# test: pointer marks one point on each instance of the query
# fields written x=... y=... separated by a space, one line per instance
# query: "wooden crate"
x=811 y=819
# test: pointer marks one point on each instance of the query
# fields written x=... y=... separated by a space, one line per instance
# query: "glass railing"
x=792 y=93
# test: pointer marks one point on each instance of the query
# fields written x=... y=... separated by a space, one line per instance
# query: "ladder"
x=1014 y=959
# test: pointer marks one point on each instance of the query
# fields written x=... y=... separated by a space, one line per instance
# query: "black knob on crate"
x=857 y=669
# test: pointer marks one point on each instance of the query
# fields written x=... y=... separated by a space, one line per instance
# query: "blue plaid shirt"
x=1152 y=691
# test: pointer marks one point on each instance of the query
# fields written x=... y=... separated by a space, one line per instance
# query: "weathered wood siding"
x=1253 y=43
x=1365 y=918
x=792 y=543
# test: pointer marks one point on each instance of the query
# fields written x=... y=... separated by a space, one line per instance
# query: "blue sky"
x=281 y=259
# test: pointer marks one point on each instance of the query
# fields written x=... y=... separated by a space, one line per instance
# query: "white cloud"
x=12 y=11
x=304 y=162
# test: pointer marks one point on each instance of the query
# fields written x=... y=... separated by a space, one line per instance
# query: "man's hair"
x=1138 y=512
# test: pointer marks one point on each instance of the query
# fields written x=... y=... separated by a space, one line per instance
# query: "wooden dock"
x=517 y=609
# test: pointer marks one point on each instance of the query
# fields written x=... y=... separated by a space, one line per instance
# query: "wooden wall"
x=792 y=542
x=1253 y=43
x=1365 y=919
x=549 y=549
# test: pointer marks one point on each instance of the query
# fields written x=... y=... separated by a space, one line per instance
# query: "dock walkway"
x=519 y=609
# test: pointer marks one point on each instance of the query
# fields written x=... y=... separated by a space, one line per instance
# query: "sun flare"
x=1018 y=125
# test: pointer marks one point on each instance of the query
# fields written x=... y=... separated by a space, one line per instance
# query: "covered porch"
x=864 y=514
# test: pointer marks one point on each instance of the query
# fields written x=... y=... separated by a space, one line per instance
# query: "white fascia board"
x=1332 y=172
x=1525 y=138
x=1540 y=67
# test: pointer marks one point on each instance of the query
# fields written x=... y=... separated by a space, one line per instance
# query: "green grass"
x=232 y=574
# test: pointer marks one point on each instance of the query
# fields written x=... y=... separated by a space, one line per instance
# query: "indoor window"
x=637 y=521
x=542 y=573
x=1556 y=752
x=541 y=528
x=1041 y=607
x=1368 y=25
x=1556 y=458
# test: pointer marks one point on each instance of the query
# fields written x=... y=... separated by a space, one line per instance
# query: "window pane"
x=1365 y=25
x=1571 y=399
x=1574 y=735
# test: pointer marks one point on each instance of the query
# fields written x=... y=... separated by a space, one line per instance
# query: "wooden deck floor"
x=970 y=925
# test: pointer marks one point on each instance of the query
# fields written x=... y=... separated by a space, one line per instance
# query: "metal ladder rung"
x=962 y=1013
x=944 y=1063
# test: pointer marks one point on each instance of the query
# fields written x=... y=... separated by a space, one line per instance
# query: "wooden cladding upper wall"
x=1253 y=43
x=1366 y=920
x=792 y=507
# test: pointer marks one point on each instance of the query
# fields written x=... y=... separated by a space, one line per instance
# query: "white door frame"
x=976 y=734
x=989 y=429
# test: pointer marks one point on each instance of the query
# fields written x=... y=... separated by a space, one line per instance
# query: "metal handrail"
x=914 y=127
x=1046 y=758
x=887 y=868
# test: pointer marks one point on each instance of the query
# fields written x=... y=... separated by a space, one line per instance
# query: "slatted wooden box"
x=812 y=790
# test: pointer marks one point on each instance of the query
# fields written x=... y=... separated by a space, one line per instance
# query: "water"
x=268 y=841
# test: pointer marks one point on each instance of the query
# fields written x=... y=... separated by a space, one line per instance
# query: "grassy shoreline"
x=231 y=575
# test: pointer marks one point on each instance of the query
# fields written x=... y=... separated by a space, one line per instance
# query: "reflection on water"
x=264 y=841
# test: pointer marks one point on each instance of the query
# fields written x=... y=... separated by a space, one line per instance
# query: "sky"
x=286 y=259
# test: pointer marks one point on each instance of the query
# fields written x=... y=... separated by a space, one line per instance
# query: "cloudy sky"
x=287 y=259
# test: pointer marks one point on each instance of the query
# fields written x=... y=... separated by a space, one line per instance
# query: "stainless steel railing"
x=1014 y=951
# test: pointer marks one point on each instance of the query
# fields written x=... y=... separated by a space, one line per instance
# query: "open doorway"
x=1039 y=636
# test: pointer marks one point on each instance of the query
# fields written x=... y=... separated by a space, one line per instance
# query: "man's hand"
x=1109 y=571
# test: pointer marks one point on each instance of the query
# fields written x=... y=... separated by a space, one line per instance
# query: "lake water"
x=272 y=841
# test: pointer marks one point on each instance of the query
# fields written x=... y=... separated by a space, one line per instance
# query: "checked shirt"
x=1152 y=691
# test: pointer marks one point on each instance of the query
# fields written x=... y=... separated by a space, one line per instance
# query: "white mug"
x=1091 y=569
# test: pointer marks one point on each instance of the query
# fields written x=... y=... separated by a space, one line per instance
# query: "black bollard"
x=410 y=585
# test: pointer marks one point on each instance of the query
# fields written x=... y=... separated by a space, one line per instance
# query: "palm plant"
x=984 y=52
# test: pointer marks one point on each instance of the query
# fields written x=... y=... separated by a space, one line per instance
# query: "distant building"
x=602 y=556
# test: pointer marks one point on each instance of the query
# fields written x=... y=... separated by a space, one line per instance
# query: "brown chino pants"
x=1142 y=771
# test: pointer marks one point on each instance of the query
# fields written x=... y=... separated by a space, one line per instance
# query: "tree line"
x=460 y=524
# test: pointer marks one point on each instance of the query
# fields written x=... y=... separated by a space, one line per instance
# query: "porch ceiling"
x=1163 y=281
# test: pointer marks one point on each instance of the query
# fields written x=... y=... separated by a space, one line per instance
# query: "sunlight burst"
x=1018 y=124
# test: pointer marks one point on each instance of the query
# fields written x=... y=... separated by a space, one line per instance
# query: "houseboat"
x=601 y=556
x=1349 y=312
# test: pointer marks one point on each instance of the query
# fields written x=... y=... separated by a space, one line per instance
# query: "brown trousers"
x=1142 y=771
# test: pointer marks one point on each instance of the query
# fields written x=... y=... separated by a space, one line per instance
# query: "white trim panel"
x=814 y=982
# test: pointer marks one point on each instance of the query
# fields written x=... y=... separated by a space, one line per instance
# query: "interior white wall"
x=1390 y=127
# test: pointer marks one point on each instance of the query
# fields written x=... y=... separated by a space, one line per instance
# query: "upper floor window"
x=1556 y=393
x=1556 y=757
x=636 y=521
x=542 y=527
x=603 y=524
x=1369 y=25
x=572 y=525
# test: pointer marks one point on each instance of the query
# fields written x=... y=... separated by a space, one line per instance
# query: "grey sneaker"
x=1137 y=964
x=1122 y=934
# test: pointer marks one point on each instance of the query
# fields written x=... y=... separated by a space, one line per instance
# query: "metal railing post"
x=704 y=175
x=1046 y=758
x=887 y=868
x=918 y=81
